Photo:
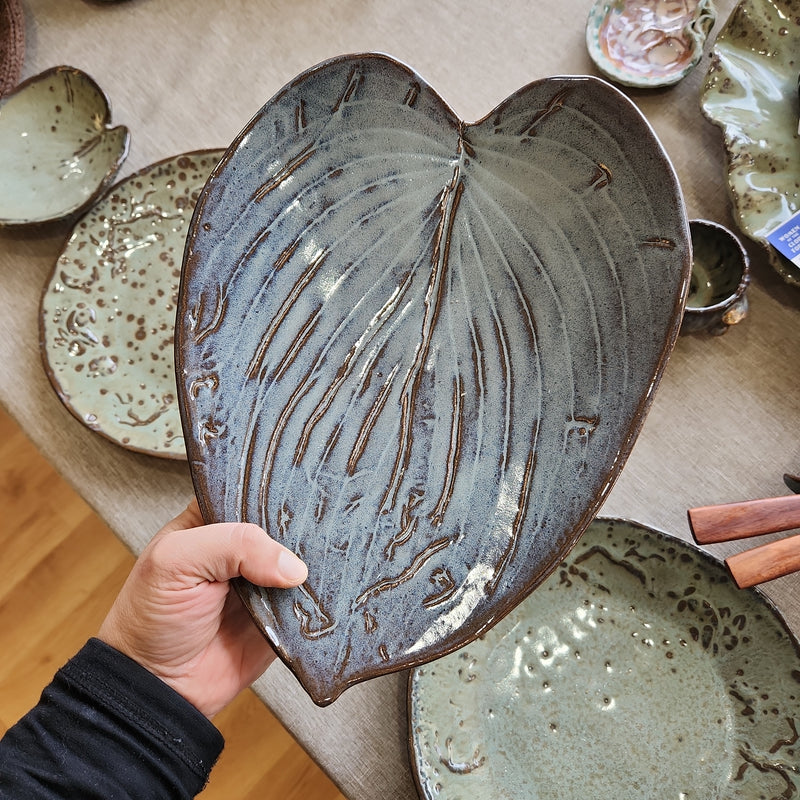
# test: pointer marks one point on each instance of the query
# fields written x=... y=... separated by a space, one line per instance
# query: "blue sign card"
x=786 y=239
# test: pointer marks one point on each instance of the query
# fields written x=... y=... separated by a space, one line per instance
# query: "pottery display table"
x=189 y=74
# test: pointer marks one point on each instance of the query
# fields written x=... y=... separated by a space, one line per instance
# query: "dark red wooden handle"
x=721 y=523
x=766 y=562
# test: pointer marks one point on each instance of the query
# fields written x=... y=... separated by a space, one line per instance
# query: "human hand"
x=178 y=617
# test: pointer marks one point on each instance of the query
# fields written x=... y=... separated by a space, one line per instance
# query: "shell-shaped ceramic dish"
x=417 y=351
x=638 y=669
x=108 y=310
x=648 y=43
x=750 y=92
x=12 y=44
x=57 y=149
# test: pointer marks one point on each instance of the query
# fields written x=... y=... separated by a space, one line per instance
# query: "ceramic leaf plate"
x=638 y=669
x=417 y=351
x=107 y=317
x=751 y=94
x=58 y=150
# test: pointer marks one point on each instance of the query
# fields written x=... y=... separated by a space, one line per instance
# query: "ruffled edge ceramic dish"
x=418 y=351
x=648 y=44
x=638 y=669
x=750 y=92
x=107 y=318
x=12 y=44
x=58 y=151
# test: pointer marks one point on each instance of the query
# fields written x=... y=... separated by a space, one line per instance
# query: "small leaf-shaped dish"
x=648 y=43
x=638 y=669
x=418 y=351
x=57 y=149
x=751 y=94
x=107 y=317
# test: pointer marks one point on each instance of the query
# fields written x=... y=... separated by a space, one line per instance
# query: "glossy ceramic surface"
x=57 y=149
x=108 y=310
x=751 y=94
x=638 y=669
x=418 y=351
x=648 y=43
x=720 y=276
x=12 y=44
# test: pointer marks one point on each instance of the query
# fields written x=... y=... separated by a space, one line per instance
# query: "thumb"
x=226 y=550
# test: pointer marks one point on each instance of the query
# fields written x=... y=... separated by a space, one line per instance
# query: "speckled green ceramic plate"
x=637 y=670
x=108 y=311
x=751 y=93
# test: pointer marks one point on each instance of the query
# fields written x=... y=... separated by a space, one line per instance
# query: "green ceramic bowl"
x=720 y=277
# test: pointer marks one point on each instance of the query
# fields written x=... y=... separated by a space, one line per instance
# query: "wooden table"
x=188 y=74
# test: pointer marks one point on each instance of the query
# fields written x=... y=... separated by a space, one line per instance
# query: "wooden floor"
x=60 y=569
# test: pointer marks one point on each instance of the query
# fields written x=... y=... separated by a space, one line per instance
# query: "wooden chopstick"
x=722 y=523
x=766 y=562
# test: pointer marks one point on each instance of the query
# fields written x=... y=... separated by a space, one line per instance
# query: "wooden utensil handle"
x=763 y=563
x=721 y=523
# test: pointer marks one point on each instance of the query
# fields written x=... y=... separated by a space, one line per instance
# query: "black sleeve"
x=107 y=728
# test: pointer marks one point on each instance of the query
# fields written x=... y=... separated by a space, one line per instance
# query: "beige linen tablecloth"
x=189 y=74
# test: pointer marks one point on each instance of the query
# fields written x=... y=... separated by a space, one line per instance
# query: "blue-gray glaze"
x=418 y=351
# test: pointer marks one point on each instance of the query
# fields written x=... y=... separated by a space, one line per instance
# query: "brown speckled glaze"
x=12 y=44
x=637 y=670
x=108 y=310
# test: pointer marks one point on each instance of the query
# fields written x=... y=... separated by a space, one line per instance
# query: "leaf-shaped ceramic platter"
x=107 y=318
x=58 y=150
x=418 y=351
x=638 y=669
x=751 y=94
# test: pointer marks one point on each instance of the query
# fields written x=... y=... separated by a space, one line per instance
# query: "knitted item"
x=12 y=44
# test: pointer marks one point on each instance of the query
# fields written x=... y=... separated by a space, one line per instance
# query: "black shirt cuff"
x=107 y=727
